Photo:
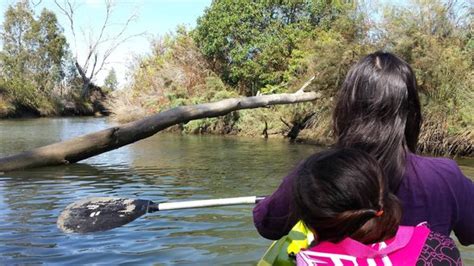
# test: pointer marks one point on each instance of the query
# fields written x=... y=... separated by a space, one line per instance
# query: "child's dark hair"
x=343 y=193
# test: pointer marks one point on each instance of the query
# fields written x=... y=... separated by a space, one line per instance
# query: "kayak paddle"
x=104 y=213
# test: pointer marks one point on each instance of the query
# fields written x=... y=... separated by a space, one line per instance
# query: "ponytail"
x=381 y=227
x=342 y=193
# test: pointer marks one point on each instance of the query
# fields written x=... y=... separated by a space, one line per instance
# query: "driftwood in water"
x=297 y=126
x=83 y=147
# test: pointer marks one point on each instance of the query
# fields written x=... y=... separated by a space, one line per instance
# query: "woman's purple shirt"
x=433 y=190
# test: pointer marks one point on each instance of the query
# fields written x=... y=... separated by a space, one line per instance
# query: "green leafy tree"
x=32 y=55
x=251 y=43
x=111 y=80
x=51 y=51
x=101 y=41
x=17 y=39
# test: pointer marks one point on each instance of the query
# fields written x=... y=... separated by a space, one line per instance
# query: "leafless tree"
x=36 y=3
x=100 y=46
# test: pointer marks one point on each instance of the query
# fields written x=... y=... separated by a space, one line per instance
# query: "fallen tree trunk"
x=83 y=147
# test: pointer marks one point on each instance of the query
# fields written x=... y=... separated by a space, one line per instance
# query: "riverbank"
x=188 y=68
x=439 y=135
x=56 y=107
x=264 y=123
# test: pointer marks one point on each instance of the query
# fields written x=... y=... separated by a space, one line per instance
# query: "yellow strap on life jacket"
x=283 y=251
x=299 y=242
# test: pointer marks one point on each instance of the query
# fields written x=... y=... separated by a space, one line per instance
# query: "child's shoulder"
x=439 y=250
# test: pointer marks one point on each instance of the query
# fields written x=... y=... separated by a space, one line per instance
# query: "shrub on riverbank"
x=426 y=35
x=175 y=74
x=33 y=49
x=435 y=39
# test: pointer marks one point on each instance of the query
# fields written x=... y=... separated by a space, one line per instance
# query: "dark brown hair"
x=339 y=193
x=378 y=111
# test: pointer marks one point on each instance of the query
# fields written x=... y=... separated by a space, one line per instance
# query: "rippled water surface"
x=161 y=168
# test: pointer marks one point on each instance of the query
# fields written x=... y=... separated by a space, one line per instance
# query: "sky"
x=153 y=18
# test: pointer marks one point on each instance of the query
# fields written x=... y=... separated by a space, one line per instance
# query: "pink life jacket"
x=403 y=249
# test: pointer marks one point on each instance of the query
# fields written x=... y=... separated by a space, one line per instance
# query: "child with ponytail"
x=344 y=198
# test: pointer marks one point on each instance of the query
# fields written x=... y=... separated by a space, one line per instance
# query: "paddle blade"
x=100 y=214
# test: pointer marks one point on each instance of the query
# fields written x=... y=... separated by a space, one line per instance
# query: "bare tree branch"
x=80 y=70
x=68 y=11
x=93 y=67
x=93 y=47
x=83 y=147
x=36 y=3
x=100 y=46
x=306 y=84
x=286 y=123
x=109 y=51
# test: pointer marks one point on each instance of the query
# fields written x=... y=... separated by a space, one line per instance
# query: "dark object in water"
x=100 y=214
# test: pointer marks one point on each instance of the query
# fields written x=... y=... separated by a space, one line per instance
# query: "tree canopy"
x=250 y=47
x=32 y=55
x=247 y=48
x=110 y=81
x=252 y=43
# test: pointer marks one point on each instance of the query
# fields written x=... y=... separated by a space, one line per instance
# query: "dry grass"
x=125 y=107
x=436 y=139
x=176 y=70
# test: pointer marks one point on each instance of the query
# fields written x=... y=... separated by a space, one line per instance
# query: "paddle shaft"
x=101 y=214
x=153 y=207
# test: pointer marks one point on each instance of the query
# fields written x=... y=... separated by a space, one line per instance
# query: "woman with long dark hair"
x=342 y=196
x=378 y=111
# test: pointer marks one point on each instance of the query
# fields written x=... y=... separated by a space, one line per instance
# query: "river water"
x=162 y=168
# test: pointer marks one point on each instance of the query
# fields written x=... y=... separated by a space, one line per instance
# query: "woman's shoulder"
x=438 y=162
x=432 y=167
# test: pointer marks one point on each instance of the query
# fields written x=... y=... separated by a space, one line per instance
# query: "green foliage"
x=174 y=74
x=335 y=50
x=32 y=57
x=110 y=81
x=244 y=47
x=251 y=43
x=429 y=35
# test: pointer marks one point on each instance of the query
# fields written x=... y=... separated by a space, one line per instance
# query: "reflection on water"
x=162 y=168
